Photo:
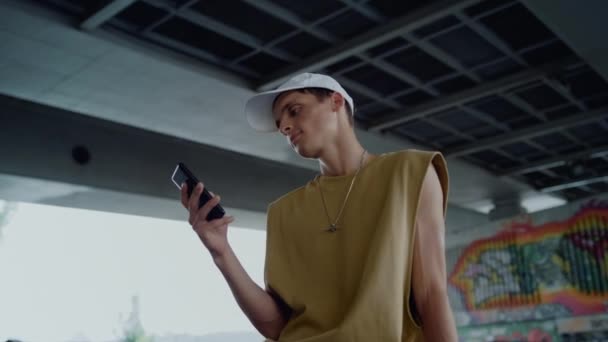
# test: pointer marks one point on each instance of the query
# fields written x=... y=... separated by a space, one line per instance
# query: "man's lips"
x=293 y=139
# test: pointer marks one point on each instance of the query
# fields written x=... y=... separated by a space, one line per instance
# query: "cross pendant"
x=332 y=228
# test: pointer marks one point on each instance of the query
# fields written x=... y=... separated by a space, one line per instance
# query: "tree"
x=133 y=330
x=7 y=209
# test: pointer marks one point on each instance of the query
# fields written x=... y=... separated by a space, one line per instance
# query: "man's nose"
x=285 y=127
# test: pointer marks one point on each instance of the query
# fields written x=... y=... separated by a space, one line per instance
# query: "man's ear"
x=337 y=101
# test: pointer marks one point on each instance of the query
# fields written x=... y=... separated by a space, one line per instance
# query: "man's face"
x=305 y=121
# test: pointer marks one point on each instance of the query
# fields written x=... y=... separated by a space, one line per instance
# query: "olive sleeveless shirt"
x=353 y=284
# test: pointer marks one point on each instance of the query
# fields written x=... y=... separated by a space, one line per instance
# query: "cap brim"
x=258 y=109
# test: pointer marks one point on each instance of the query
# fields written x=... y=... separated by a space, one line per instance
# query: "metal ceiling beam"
x=220 y=28
x=377 y=61
x=373 y=14
x=449 y=60
x=559 y=160
x=442 y=56
x=287 y=16
x=168 y=16
x=567 y=94
x=156 y=38
x=491 y=37
x=461 y=98
x=181 y=50
x=204 y=55
x=368 y=92
x=574 y=184
x=367 y=40
x=528 y=108
x=500 y=44
x=528 y=133
x=227 y=31
x=520 y=103
x=106 y=13
x=364 y=9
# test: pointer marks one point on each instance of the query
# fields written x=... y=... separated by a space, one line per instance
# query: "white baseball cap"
x=259 y=108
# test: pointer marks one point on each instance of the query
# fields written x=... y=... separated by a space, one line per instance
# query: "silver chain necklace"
x=334 y=226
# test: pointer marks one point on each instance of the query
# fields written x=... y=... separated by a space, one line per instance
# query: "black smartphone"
x=183 y=175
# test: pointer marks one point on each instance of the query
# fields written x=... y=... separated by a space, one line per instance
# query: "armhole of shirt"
x=413 y=309
x=438 y=162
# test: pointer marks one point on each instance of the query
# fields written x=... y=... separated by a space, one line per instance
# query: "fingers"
x=224 y=221
x=206 y=209
x=195 y=197
x=192 y=204
x=184 y=195
x=213 y=224
x=199 y=215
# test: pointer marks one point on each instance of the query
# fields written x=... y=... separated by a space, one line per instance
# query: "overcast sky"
x=69 y=274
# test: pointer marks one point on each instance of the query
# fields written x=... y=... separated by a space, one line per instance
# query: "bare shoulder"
x=431 y=209
x=431 y=185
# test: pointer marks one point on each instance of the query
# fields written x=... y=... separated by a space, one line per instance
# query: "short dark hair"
x=321 y=94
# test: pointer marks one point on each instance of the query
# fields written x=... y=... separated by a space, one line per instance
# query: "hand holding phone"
x=213 y=229
x=182 y=175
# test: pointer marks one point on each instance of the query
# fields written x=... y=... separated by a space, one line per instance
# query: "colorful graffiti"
x=544 y=331
x=564 y=263
x=577 y=329
x=582 y=329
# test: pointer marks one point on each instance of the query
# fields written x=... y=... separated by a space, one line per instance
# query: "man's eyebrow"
x=282 y=108
x=289 y=103
x=277 y=121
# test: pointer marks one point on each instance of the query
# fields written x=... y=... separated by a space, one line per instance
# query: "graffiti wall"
x=578 y=329
x=545 y=331
x=531 y=271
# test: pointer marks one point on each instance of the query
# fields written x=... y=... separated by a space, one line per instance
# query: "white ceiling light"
x=538 y=202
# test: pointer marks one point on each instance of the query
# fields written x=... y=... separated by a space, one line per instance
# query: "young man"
x=357 y=253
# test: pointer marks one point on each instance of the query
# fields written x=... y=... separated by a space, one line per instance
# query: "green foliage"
x=7 y=209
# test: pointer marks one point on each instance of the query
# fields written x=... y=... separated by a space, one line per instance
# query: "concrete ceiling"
x=46 y=59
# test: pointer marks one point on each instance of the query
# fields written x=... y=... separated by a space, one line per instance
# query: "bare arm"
x=429 y=279
x=267 y=314
x=264 y=311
